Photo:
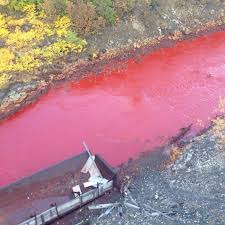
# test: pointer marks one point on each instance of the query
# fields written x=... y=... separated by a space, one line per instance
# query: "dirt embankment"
x=150 y=25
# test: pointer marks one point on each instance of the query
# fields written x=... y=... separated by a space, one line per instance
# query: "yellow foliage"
x=3 y=27
x=21 y=39
x=23 y=51
x=30 y=11
x=218 y=131
x=18 y=22
x=2 y=21
x=175 y=153
x=62 y=26
x=27 y=62
x=60 y=48
x=4 y=2
x=6 y=61
x=3 y=32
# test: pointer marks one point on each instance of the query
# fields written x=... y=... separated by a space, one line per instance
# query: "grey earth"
x=189 y=190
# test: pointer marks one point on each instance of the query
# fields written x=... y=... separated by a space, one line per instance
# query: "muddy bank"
x=148 y=27
x=184 y=181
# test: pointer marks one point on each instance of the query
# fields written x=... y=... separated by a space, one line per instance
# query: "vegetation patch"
x=105 y=8
x=84 y=17
x=29 y=39
x=34 y=33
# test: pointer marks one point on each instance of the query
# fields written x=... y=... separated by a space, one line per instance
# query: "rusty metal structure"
x=31 y=202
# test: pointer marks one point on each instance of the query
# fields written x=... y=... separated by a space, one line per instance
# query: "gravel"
x=190 y=190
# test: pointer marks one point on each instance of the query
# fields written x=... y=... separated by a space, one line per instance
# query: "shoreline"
x=20 y=95
x=187 y=187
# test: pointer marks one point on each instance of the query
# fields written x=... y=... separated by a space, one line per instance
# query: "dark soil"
x=189 y=190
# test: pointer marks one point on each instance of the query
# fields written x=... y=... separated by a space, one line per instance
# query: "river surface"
x=120 y=114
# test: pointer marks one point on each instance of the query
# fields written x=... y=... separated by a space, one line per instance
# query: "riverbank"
x=184 y=181
x=141 y=31
x=130 y=110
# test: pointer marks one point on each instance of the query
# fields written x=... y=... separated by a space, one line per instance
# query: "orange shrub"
x=84 y=17
x=123 y=6
x=54 y=7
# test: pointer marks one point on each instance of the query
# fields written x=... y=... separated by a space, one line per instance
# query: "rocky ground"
x=186 y=186
x=151 y=24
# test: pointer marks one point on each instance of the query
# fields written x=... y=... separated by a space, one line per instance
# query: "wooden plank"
x=53 y=213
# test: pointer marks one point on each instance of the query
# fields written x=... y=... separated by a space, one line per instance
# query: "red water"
x=121 y=114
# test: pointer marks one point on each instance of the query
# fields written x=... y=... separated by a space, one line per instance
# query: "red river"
x=121 y=114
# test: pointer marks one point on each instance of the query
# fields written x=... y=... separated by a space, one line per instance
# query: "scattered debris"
x=103 y=206
x=106 y=212
x=99 y=185
x=90 y=167
x=131 y=205
x=131 y=198
x=76 y=190
x=125 y=192
x=157 y=212
x=109 y=207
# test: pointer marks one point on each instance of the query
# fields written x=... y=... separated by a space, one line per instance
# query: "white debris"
x=103 y=206
x=155 y=214
x=106 y=212
x=88 y=184
x=131 y=205
x=76 y=189
x=94 y=181
x=91 y=168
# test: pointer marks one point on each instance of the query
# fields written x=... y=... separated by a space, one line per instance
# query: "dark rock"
x=26 y=27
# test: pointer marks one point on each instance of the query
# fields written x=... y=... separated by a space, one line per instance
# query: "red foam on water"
x=121 y=114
